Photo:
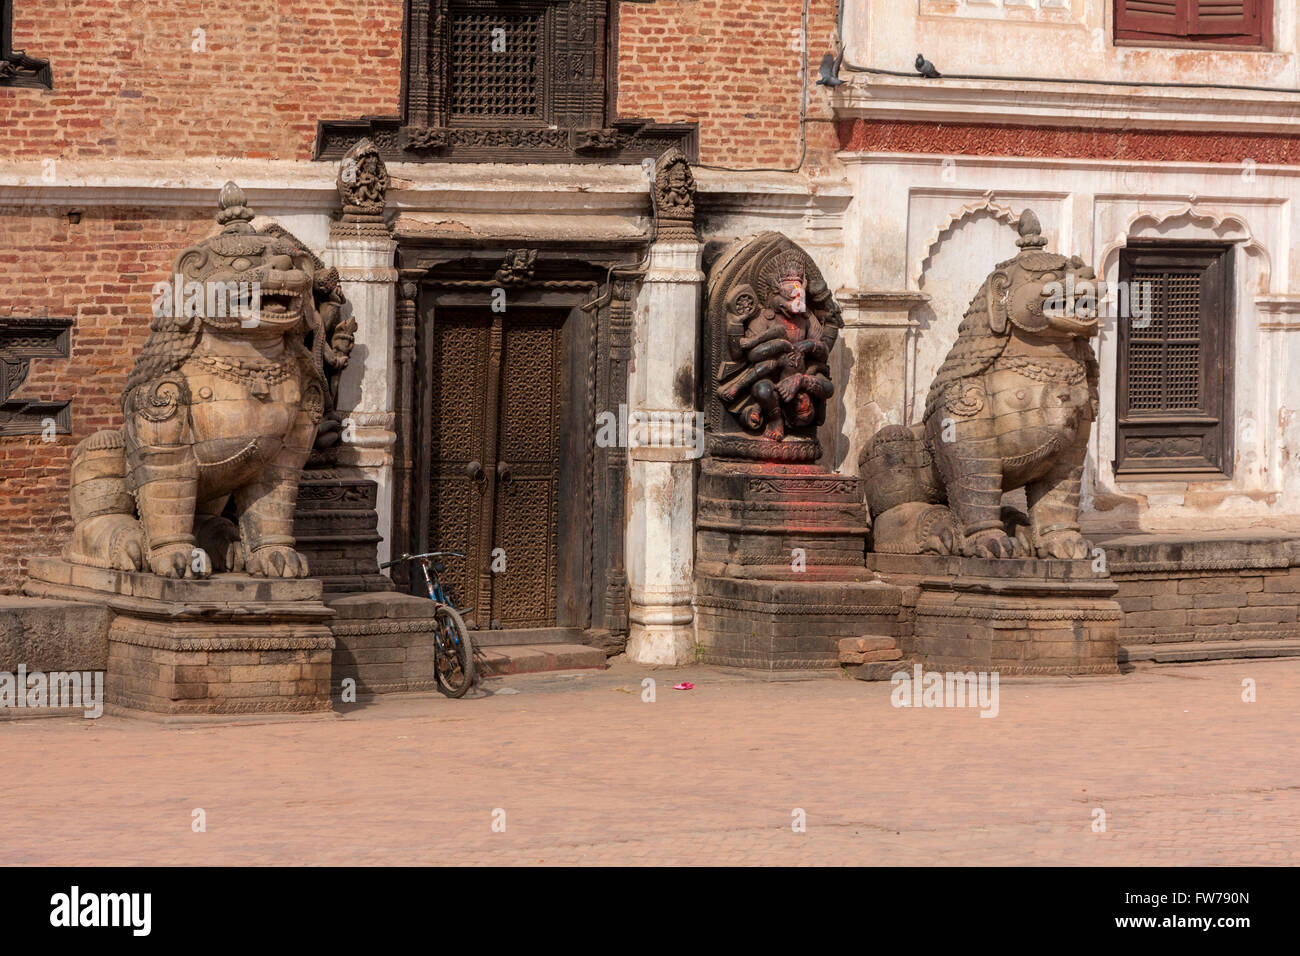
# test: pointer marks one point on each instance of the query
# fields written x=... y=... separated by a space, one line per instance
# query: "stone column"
x=362 y=250
x=368 y=279
x=660 y=543
x=662 y=452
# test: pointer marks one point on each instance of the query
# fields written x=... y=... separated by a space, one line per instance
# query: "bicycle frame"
x=432 y=585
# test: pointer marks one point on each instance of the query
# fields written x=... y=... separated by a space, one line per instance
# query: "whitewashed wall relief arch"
x=957 y=259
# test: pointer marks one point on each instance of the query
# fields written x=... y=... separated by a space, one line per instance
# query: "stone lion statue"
x=1011 y=407
x=221 y=409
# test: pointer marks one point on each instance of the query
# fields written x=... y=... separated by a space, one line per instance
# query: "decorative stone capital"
x=673 y=194
x=363 y=191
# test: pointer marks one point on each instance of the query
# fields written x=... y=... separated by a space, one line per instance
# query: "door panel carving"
x=459 y=382
x=496 y=436
x=527 y=502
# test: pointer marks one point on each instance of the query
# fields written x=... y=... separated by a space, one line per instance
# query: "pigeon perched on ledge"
x=926 y=68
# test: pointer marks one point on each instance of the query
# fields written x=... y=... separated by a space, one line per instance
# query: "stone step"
x=871 y=658
x=1208 y=651
x=514 y=637
x=537 y=658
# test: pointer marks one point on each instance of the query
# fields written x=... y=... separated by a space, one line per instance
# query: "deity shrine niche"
x=772 y=323
x=780 y=540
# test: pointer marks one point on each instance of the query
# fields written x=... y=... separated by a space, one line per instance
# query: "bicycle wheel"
x=454 y=663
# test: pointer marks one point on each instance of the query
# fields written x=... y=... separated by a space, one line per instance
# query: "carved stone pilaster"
x=662 y=454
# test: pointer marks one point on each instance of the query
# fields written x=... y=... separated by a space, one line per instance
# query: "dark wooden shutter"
x=1226 y=21
x=1243 y=22
x=1150 y=19
x=1172 y=408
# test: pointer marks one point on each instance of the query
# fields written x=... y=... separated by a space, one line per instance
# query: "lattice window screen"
x=1164 y=359
x=502 y=83
x=1173 y=406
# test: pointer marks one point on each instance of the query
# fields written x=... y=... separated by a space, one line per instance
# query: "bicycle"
x=453 y=651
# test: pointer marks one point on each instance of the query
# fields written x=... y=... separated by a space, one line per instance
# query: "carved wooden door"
x=494 y=488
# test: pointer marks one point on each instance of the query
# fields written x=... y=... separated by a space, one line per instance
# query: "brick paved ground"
x=587 y=773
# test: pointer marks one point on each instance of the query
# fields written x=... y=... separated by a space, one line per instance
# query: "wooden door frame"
x=595 y=282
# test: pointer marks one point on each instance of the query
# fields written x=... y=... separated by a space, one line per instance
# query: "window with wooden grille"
x=1173 y=409
x=496 y=64
x=1195 y=22
x=509 y=81
x=16 y=67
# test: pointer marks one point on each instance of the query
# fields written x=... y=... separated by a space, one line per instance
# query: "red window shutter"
x=1244 y=22
x=1151 y=19
x=1227 y=21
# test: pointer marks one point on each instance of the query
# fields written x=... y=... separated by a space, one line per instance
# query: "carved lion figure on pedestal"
x=1011 y=407
x=223 y=403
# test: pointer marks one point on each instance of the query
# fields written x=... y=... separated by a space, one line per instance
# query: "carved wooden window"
x=1173 y=408
x=16 y=67
x=1195 y=22
x=496 y=70
x=524 y=81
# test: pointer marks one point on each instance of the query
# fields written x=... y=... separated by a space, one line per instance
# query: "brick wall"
x=1250 y=604
x=127 y=81
x=733 y=67
x=100 y=273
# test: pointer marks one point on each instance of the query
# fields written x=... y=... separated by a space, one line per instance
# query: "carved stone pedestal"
x=764 y=520
x=335 y=525
x=384 y=642
x=1013 y=616
x=229 y=644
x=779 y=575
x=790 y=625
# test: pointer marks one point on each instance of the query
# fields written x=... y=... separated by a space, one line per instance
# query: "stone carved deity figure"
x=771 y=323
x=673 y=193
x=222 y=408
x=363 y=179
x=781 y=374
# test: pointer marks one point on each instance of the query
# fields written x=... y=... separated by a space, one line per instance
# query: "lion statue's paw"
x=128 y=550
x=277 y=561
x=176 y=560
x=1066 y=544
x=989 y=544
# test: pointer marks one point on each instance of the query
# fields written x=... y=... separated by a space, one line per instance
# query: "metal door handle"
x=474 y=470
x=503 y=471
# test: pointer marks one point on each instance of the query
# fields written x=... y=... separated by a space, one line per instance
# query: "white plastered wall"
x=926 y=224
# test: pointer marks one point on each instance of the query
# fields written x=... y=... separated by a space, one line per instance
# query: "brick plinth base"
x=791 y=624
x=1016 y=617
x=1207 y=595
x=383 y=642
x=230 y=644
